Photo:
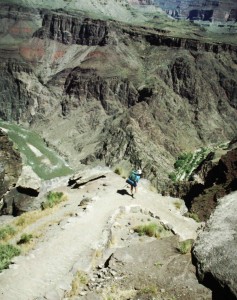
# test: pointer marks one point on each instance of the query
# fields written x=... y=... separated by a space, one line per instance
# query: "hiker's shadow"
x=123 y=192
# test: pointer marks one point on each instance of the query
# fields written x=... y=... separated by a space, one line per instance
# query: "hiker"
x=133 y=179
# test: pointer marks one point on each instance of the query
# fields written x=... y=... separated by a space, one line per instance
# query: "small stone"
x=162 y=290
x=113 y=273
x=100 y=266
x=82 y=293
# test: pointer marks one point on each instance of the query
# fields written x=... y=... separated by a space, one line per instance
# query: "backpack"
x=133 y=176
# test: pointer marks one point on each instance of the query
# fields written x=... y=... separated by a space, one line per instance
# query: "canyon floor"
x=95 y=227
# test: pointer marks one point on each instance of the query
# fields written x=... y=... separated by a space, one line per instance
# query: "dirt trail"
x=73 y=234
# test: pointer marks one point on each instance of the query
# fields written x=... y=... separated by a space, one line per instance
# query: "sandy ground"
x=73 y=234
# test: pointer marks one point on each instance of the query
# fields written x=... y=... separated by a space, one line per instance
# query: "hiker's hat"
x=139 y=171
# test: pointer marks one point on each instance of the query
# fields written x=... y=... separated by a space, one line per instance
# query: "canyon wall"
x=124 y=95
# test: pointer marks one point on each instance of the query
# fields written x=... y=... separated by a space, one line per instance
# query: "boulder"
x=215 y=253
x=29 y=182
x=22 y=198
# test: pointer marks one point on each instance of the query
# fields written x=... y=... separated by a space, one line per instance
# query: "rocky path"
x=73 y=234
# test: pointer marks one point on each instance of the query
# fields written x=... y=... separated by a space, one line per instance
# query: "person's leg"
x=135 y=187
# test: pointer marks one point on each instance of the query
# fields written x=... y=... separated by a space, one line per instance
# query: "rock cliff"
x=124 y=95
x=216 y=179
x=10 y=164
x=204 y=10
x=215 y=251
x=69 y=30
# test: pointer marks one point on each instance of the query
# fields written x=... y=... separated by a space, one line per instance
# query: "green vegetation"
x=7 y=252
x=118 y=171
x=6 y=232
x=187 y=162
x=185 y=246
x=53 y=198
x=151 y=229
x=193 y=216
x=151 y=290
x=158 y=264
x=25 y=238
x=177 y=204
x=183 y=160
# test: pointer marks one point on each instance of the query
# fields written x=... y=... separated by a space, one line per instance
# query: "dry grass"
x=178 y=204
x=150 y=229
x=115 y=293
x=80 y=279
x=185 y=246
x=29 y=218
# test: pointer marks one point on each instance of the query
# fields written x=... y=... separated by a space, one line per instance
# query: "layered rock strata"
x=124 y=95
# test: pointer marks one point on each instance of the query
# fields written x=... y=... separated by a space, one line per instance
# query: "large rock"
x=23 y=197
x=10 y=164
x=215 y=250
x=29 y=181
x=153 y=270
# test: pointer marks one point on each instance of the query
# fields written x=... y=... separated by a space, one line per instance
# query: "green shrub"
x=172 y=176
x=193 y=216
x=150 y=290
x=53 y=198
x=185 y=246
x=151 y=229
x=182 y=160
x=7 y=252
x=25 y=238
x=6 y=231
x=118 y=171
x=177 y=204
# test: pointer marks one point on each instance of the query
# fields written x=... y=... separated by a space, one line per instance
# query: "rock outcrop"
x=165 y=275
x=215 y=250
x=10 y=164
x=22 y=197
x=69 y=30
x=217 y=180
x=219 y=11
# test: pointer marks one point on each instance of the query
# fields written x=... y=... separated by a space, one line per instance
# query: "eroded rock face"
x=122 y=94
x=200 y=10
x=10 y=164
x=215 y=250
x=217 y=180
x=69 y=30
x=85 y=84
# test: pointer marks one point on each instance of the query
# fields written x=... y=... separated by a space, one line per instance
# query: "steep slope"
x=215 y=251
x=214 y=178
x=10 y=164
x=123 y=95
x=71 y=238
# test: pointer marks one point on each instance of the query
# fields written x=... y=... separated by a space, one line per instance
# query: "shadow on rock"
x=123 y=192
